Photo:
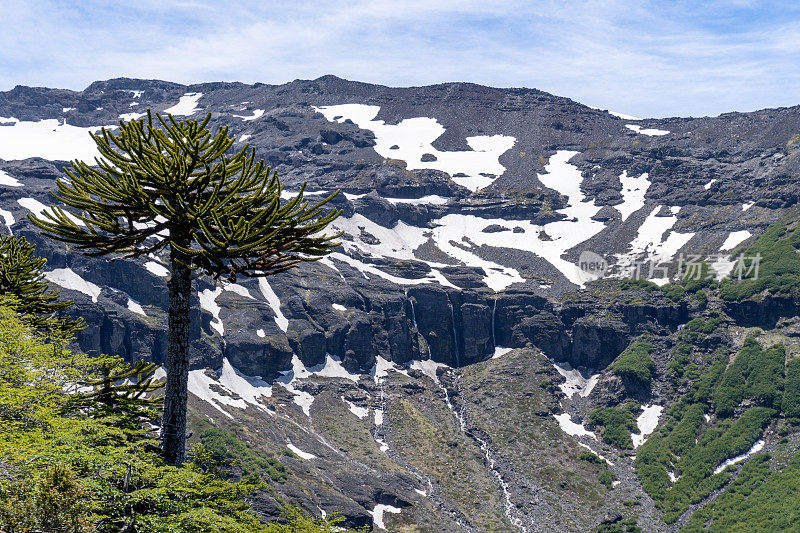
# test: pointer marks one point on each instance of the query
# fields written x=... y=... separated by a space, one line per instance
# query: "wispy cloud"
x=651 y=58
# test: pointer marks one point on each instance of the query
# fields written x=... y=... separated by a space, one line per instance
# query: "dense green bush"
x=760 y=499
x=617 y=424
x=779 y=266
x=702 y=299
x=692 y=448
x=791 y=395
x=228 y=449
x=638 y=284
x=606 y=478
x=64 y=471
x=732 y=388
x=765 y=376
x=635 y=363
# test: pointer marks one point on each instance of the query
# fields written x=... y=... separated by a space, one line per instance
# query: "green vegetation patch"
x=760 y=499
x=791 y=394
x=677 y=463
x=778 y=266
x=635 y=363
x=617 y=424
x=228 y=449
x=86 y=469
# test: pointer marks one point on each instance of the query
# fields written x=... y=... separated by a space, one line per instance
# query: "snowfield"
x=187 y=105
x=49 y=139
x=412 y=138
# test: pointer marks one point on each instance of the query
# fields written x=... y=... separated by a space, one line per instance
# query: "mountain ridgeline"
x=454 y=365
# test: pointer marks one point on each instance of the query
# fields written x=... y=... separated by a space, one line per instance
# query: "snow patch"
x=646 y=131
x=127 y=117
x=571 y=428
x=157 y=269
x=378 y=512
x=300 y=453
x=646 y=422
x=136 y=308
x=633 y=191
x=39 y=209
x=8 y=218
x=757 y=447
x=428 y=367
x=500 y=352
x=624 y=116
x=67 y=278
x=734 y=239
x=413 y=139
x=576 y=382
x=260 y=333
x=241 y=390
x=650 y=243
x=208 y=302
x=257 y=113
x=274 y=303
x=431 y=199
x=708 y=185
x=360 y=412
x=339 y=307
x=9 y=181
x=237 y=289
x=187 y=105
x=48 y=139
x=747 y=205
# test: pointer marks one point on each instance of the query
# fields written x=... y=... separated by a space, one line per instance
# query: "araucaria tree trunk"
x=173 y=426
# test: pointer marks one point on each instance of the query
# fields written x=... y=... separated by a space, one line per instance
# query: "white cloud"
x=648 y=59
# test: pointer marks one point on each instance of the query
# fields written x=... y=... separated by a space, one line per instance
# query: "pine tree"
x=168 y=184
x=22 y=280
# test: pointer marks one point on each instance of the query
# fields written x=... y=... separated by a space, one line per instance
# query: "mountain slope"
x=468 y=211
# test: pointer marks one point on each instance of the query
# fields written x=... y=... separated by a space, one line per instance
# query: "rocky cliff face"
x=468 y=212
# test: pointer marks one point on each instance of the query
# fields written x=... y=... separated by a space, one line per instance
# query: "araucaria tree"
x=168 y=184
x=22 y=280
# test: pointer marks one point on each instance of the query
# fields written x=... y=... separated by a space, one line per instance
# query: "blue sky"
x=651 y=59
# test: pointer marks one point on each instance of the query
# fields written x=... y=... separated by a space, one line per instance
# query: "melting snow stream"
x=508 y=507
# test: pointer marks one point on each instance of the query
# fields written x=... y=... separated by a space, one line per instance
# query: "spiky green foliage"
x=124 y=391
x=223 y=212
x=64 y=470
x=22 y=280
x=169 y=184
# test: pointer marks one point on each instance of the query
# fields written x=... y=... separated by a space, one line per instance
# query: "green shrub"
x=674 y=292
x=702 y=299
x=639 y=284
x=617 y=424
x=779 y=266
x=791 y=395
x=765 y=376
x=230 y=450
x=732 y=388
x=635 y=363
x=66 y=472
x=606 y=478
x=591 y=457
